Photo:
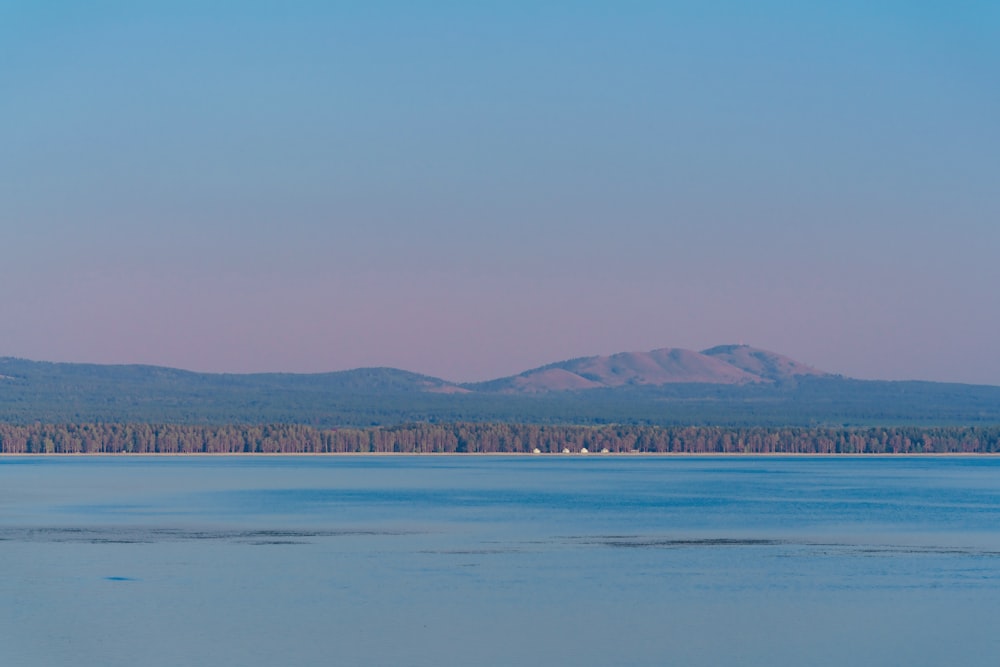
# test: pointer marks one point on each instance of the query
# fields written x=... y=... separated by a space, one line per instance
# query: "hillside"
x=725 y=365
x=768 y=366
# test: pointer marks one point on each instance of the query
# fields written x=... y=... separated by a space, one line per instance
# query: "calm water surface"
x=548 y=560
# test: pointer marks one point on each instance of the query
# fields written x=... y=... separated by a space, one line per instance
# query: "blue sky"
x=471 y=189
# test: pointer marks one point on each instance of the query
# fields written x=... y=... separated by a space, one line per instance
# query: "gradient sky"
x=471 y=189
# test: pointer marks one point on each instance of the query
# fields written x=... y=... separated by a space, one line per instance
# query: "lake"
x=499 y=560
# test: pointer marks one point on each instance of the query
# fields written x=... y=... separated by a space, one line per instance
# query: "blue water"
x=470 y=560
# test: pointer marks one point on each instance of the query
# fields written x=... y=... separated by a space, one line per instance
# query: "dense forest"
x=489 y=438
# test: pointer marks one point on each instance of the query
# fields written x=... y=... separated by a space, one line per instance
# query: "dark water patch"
x=808 y=547
x=120 y=579
x=142 y=535
x=640 y=543
x=883 y=549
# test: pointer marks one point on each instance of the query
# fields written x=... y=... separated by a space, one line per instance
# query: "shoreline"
x=571 y=455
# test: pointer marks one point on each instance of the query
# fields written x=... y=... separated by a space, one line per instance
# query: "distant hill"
x=97 y=376
x=729 y=385
x=726 y=364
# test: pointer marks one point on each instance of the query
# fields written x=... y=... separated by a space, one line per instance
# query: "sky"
x=470 y=189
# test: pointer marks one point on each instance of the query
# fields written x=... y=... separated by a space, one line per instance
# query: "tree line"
x=113 y=438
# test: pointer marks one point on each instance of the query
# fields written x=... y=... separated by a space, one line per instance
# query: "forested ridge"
x=489 y=438
x=40 y=392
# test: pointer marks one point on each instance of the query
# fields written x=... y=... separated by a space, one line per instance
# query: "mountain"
x=725 y=364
